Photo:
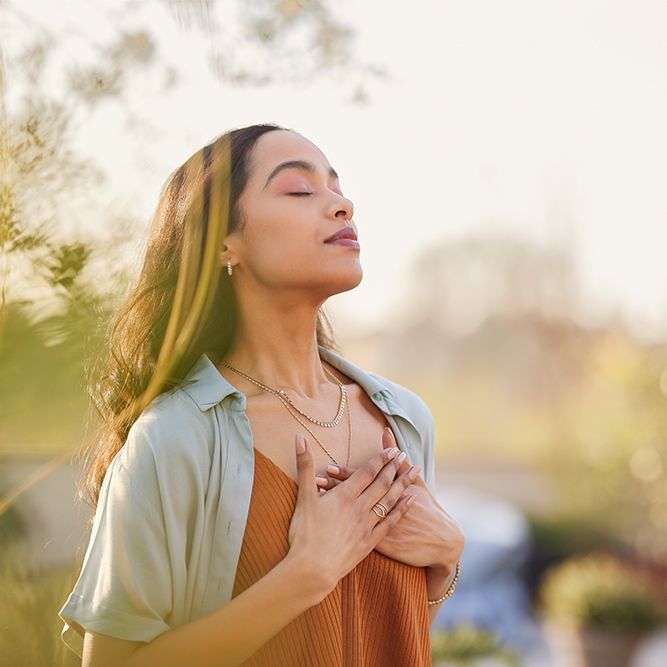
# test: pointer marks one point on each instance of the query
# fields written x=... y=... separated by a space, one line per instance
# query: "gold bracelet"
x=451 y=588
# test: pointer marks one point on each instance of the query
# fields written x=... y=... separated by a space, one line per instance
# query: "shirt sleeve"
x=429 y=454
x=124 y=588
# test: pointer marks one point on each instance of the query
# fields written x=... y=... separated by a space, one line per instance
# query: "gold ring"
x=383 y=510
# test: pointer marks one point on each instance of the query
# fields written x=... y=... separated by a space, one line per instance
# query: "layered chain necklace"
x=289 y=404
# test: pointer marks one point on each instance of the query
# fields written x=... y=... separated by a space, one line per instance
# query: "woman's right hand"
x=332 y=532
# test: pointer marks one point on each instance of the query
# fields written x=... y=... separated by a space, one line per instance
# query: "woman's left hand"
x=426 y=535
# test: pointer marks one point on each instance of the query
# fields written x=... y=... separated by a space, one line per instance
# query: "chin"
x=346 y=281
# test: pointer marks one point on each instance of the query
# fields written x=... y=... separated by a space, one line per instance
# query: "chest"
x=273 y=431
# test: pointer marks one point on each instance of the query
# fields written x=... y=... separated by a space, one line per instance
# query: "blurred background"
x=507 y=162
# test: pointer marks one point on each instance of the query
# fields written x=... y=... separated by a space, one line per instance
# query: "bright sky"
x=541 y=117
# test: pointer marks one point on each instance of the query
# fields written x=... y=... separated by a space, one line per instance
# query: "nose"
x=343 y=205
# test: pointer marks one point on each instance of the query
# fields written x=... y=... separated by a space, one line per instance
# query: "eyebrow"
x=296 y=164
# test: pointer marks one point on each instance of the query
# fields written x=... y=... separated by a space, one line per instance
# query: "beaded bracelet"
x=451 y=588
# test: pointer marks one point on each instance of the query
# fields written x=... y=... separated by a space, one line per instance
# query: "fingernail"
x=410 y=500
x=401 y=457
x=320 y=480
x=300 y=444
x=391 y=452
x=332 y=468
x=413 y=472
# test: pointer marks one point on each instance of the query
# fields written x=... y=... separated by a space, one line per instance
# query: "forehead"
x=279 y=146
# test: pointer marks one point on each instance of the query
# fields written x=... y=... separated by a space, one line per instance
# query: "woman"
x=219 y=536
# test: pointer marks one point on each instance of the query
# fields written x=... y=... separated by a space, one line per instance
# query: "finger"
x=307 y=491
x=339 y=471
x=403 y=463
x=379 y=489
x=398 y=486
x=331 y=482
x=325 y=483
x=403 y=481
x=365 y=475
x=388 y=439
x=419 y=481
x=382 y=527
x=342 y=472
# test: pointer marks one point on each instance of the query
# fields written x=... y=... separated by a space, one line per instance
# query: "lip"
x=351 y=243
x=345 y=233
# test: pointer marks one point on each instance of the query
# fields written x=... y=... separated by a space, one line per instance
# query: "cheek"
x=280 y=253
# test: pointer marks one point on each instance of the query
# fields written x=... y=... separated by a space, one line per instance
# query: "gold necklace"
x=341 y=406
x=327 y=424
x=285 y=400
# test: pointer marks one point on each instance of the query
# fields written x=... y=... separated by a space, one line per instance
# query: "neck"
x=276 y=344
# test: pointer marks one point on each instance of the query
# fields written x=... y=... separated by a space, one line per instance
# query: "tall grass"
x=29 y=604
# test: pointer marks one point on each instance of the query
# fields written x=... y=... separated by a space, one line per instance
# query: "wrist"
x=441 y=582
x=308 y=577
x=438 y=579
x=440 y=570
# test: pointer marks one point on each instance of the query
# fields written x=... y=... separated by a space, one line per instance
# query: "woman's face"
x=289 y=211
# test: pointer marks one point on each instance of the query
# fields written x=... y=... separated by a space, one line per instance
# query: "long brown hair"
x=182 y=304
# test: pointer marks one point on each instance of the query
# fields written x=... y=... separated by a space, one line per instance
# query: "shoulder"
x=170 y=431
x=413 y=404
x=406 y=400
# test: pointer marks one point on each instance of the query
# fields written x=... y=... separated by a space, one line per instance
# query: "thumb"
x=389 y=440
x=306 y=470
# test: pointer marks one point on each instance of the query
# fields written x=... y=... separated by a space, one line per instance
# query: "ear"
x=228 y=249
x=226 y=253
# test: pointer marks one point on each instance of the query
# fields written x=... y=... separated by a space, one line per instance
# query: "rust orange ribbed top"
x=377 y=615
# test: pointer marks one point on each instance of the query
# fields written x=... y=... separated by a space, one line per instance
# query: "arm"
x=133 y=564
x=302 y=579
x=227 y=636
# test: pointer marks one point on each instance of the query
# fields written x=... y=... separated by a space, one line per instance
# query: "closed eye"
x=300 y=193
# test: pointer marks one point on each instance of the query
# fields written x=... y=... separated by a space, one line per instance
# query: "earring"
x=229 y=267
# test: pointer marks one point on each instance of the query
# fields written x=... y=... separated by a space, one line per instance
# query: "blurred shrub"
x=600 y=591
x=556 y=537
x=465 y=644
x=564 y=534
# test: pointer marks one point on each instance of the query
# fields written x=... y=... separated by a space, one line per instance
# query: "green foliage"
x=563 y=535
x=43 y=400
x=465 y=643
x=599 y=590
x=56 y=290
x=11 y=523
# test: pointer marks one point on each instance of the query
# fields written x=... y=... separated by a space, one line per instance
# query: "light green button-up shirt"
x=171 y=515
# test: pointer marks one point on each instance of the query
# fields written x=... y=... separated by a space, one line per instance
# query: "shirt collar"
x=207 y=386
